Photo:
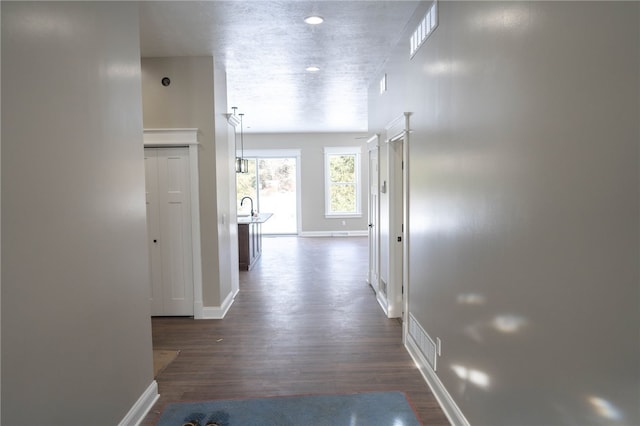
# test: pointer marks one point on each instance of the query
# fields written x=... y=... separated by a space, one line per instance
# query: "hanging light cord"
x=241 y=137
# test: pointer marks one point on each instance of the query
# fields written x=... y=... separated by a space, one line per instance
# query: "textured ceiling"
x=265 y=47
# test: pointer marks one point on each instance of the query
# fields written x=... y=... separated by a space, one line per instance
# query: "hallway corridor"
x=304 y=322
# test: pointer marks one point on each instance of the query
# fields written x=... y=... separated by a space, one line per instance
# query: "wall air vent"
x=425 y=28
x=423 y=342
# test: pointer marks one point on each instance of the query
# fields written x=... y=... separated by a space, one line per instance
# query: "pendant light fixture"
x=242 y=164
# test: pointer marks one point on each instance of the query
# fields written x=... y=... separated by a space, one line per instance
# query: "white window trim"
x=337 y=150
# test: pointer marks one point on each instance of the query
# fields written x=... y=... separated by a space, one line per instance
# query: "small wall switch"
x=344 y=223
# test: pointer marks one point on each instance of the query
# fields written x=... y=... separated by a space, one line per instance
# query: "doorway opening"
x=272 y=184
x=173 y=223
x=388 y=212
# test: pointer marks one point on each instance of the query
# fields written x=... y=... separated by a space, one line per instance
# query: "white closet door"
x=374 y=243
x=169 y=224
x=153 y=229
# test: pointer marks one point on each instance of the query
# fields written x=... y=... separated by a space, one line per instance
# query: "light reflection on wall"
x=473 y=376
x=122 y=70
x=446 y=223
x=445 y=67
x=471 y=299
x=504 y=324
x=508 y=323
x=605 y=408
x=507 y=16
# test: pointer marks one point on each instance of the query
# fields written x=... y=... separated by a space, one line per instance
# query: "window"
x=342 y=181
x=272 y=185
x=424 y=29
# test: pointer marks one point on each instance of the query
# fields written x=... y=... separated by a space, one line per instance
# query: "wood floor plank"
x=305 y=322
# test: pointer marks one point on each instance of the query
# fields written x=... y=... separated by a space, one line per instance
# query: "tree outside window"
x=342 y=181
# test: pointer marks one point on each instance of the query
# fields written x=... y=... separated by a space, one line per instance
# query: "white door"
x=169 y=230
x=396 y=191
x=373 y=215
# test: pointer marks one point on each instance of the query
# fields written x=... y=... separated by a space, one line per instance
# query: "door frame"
x=373 y=277
x=188 y=137
x=406 y=220
x=398 y=132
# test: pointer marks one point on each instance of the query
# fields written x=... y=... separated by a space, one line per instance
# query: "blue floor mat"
x=361 y=409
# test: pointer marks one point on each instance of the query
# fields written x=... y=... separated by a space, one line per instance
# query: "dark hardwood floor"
x=304 y=322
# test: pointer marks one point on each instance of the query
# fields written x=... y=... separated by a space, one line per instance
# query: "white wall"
x=76 y=333
x=225 y=184
x=312 y=146
x=524 y=206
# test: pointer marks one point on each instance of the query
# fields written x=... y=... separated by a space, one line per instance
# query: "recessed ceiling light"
x=313 y=69
x=314 y=20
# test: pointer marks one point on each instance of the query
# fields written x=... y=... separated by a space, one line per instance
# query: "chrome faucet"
x=242 y=201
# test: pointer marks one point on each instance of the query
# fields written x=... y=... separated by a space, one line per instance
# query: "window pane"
x=343 y=198
x=342 y=168
x=342 y=180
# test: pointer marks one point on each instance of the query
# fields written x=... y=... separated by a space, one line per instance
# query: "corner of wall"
x=219 y=312
x=142 y=406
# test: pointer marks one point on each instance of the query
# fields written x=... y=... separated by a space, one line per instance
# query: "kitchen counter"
x=261 y=218
x=250 y=239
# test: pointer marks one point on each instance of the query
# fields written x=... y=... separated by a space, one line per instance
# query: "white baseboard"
x=142 y=406
x=448 y=405
x=334 y=234
x=197 y=309
x=382 y=302
x=218 y=312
